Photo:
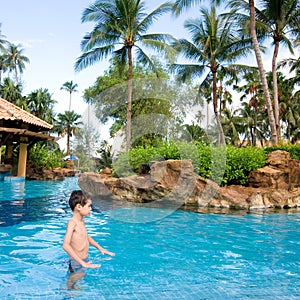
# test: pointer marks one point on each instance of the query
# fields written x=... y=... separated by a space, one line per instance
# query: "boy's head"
x=77 y=197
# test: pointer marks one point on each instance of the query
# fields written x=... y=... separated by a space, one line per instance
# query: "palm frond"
x=144 y=24
x=93 y=56
x=186 y=72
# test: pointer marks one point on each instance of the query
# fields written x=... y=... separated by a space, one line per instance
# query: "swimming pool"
x=180 y=255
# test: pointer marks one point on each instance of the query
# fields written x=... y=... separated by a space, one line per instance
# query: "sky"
x=50 y=31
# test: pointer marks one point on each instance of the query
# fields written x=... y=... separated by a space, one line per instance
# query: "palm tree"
x=3 y=65
x=70 y=87
x=252 y=123
x=11 y=91
x=231 y=126
x=214 y=47
x=180 y=5
x=16 y=60
x=275 y=19
x=68 y=122
x=41 y=104
x=253 y=95
x=289 y=105
x=121 y=27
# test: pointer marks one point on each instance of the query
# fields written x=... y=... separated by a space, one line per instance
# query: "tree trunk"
x=16 y=74
x=262 y=74
x=70 y=101
x=275 y=89
x=255 y=126
x=68 y=142
x=215 y=104
x=129 y=103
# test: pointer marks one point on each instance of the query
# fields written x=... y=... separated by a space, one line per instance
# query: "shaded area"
x=16 y=211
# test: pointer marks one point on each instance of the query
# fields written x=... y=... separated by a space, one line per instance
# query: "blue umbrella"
x=70 y=157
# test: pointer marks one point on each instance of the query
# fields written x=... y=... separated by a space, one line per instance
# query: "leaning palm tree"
x=70 y=87
x=214 y=48
x=121 y=27
x=68 y=123
x=16 y=60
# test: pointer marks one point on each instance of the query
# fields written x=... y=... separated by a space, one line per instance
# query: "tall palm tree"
x=274 y=19
x=214 y=47
x=121 y=27
x=70 y=87
x=180 y=5
x=262 y=72
x=68 y=122
x=16 y=60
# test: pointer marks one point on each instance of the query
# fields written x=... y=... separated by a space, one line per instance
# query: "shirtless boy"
x=76 y=242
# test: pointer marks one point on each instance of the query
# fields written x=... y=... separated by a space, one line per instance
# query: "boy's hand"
x=90 y=265
x=107 y=252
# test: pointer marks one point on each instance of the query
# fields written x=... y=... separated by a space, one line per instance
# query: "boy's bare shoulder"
x=71 y=224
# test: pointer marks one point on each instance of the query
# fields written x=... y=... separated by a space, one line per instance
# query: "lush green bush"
x=240 y=161
x=44 y=158
x=294 y=150
x=224 y=165
x=229 y=165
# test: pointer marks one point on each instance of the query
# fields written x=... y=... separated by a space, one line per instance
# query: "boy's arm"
x=67 y=247
x=101 y=249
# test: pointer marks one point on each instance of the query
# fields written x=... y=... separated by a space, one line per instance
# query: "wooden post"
x=9 y=151
x=22 y=159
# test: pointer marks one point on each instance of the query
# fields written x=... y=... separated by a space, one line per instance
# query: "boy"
x=76 y=241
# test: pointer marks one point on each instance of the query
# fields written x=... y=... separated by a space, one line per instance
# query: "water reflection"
x=31 y=209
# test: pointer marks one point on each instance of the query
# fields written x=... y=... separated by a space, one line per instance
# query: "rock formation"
x=277 y=185
x=33 y=173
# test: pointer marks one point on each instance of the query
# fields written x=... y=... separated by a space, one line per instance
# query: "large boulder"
x=281 y=172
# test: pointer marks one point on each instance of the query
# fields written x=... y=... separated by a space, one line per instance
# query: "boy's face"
x=87 y=208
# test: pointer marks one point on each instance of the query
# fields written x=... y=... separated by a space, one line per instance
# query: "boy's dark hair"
x=77 y=197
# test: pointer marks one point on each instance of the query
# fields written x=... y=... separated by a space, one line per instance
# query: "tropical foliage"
x=214 y=47
x=121 y=27
x=71 y=88
x=67 y=124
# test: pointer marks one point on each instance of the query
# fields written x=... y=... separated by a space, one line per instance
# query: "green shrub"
x=44 y=158
x=240 y=161
x=223 y=165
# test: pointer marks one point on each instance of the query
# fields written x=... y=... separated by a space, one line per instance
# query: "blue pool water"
x=179 y=255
